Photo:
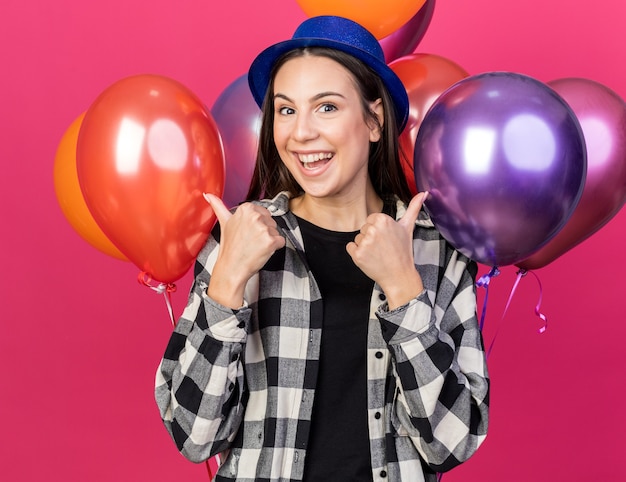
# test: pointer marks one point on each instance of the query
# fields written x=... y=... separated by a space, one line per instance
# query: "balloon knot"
x=484 y=280
x=146 y=280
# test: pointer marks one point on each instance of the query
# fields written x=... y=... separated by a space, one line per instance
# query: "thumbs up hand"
x=383 y=250
x=249 y=237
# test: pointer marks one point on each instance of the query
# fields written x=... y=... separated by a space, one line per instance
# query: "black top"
x=338 y=448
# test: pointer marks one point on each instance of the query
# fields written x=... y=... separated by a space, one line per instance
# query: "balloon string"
x=209 y=468
x=520 y=275
x=539 y=314
x=166 y=290
x=483 y=282
x=162 y=288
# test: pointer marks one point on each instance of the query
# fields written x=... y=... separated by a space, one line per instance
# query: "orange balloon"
x=147 y=150
x=381 y=18
x=71 y=198
x=425 y=77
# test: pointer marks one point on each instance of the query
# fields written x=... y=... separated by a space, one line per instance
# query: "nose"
x=304 y=127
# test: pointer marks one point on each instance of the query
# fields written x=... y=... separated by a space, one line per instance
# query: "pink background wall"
x=81 y=339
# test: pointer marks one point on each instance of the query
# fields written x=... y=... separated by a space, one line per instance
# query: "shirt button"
x=242 y=324
x=383 y=473
x=382 y=297
x=379 y=354
x=377 y=415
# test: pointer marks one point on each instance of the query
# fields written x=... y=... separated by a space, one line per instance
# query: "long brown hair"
x=270 y=174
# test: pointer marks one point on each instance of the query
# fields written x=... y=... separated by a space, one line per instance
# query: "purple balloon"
x=602 y=116
x=238 y=119
x=404 y=40
x=504 y=160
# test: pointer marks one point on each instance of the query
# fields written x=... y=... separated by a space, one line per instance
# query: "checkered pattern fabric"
x=242 y=382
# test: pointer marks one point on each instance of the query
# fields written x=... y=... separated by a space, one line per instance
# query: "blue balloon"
x=503 y=157
x=238 y=120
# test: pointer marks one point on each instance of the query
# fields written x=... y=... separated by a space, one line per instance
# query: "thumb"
x=219 y=208
x=412 y=210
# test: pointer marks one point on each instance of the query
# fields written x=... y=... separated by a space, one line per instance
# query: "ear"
x=375 y=127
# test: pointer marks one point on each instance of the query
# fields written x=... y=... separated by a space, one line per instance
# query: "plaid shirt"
x=242 y=382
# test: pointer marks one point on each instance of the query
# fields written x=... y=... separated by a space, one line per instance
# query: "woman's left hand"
x=383 y=250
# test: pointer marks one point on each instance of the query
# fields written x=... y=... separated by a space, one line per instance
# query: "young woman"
x=331 y=332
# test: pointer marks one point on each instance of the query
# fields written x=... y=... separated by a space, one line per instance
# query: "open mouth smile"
x=313 y=161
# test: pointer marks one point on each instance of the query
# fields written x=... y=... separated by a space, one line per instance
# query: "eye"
x=285 y=110
x=328 y=108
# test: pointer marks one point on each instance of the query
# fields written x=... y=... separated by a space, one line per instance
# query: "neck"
x=337 y=214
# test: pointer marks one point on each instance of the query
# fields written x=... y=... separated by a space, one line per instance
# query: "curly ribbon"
x=161 y=289
x=520 y=274
x=483 y=282
x=539 y=314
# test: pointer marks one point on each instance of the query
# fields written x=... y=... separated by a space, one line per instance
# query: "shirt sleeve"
x=199 y=387
x=442 y=386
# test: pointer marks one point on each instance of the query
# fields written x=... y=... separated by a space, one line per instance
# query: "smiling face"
x=320 y=127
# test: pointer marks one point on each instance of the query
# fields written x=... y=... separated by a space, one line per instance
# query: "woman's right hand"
x=249 y=237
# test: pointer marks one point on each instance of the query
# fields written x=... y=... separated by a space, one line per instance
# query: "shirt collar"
x=279 y=206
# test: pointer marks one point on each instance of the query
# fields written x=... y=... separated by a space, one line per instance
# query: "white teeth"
x=310 y=158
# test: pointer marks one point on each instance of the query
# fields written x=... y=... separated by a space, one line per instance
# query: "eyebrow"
x=316 y=97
